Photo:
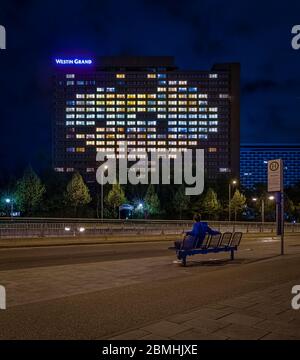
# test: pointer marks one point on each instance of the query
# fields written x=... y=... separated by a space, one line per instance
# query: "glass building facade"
x=149 y=103
x=254 y=160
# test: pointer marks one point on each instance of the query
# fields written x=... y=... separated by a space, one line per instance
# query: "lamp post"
x=233 y=182
x=102 y=185
x=263 y=206
x=11 y=202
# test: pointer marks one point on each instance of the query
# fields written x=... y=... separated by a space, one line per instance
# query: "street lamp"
x=11 y=202
x=233 y=182
x=102 y=173
x=263 y=206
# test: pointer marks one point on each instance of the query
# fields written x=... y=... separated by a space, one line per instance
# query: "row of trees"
x=57 y=195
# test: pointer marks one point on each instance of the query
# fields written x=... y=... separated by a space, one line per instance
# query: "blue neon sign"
x=75 y=61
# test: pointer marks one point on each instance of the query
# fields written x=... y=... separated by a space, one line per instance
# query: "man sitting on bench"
x=195 y=237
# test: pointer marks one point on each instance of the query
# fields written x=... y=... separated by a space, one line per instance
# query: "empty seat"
x=236 y=239
x=225 y=241
x=215 y=240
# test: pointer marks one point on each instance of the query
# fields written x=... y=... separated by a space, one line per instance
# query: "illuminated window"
x=80 y=149
x=120 y=76
x=212 y=149
x=151 y=76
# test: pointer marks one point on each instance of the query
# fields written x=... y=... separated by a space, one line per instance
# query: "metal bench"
x=226 y=242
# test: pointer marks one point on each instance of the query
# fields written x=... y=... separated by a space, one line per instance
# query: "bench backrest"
x=236 y=239
x=226 y=238
x=205 y=243
x=215 y=240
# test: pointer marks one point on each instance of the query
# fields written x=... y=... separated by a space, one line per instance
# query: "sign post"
x=275 y=184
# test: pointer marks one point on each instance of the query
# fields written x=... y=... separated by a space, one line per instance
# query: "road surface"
x=99 y=291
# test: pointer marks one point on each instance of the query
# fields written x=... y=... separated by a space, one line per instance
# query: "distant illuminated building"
x=254 y=163
x=148 y=102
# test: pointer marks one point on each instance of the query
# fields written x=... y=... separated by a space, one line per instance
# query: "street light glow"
x=271 y=197
x=7 y=200
x=254 y=199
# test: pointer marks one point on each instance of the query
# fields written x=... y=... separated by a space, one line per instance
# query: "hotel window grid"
x=145 y=101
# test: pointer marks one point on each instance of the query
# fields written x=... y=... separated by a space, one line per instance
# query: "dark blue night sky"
x=198 y=33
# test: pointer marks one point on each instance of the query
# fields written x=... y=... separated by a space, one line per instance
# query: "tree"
x=237 y=203
x=152 y=203
x=29 y=192
x=116 y=197
x=181 y=201
x=210 y=204
x=77 y=193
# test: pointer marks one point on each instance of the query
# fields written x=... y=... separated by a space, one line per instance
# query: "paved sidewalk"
x=265 y=314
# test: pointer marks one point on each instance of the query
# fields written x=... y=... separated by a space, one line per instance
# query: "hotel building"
x=149 y=103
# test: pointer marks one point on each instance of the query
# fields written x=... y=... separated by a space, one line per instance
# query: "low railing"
x=46 y=227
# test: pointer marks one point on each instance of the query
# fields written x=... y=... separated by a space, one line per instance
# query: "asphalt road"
x=19 y=258
x=172 y=289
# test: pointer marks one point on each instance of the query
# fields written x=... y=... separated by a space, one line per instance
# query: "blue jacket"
x=200 y=229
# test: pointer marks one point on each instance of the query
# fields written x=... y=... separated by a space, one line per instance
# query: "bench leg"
x=232 y=254
x=184 y=261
